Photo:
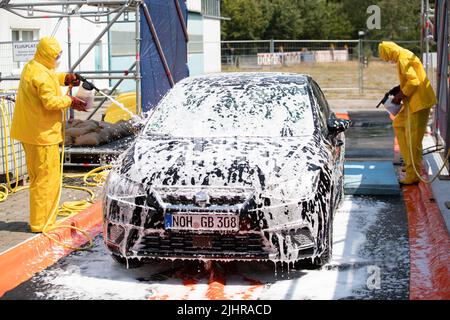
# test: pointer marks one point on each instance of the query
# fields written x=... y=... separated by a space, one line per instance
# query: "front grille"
x=184 y=198
x=249 y=245
x=180 y=200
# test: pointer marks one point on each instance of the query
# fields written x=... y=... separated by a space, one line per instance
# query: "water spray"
x=89 y=86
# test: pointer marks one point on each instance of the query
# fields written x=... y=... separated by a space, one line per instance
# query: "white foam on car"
x=278 y=141
x=94 y=275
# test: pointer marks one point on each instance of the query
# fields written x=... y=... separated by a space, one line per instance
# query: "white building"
x=14 y=28
x=116 y=49
x=204 y=53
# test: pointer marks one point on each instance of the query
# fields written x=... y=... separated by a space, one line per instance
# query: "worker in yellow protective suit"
x=37 y=123
x=416 y=89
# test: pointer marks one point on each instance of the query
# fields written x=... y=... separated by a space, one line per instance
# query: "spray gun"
x=391 y=107
x=87 y=84
x=85 y=91
x=391 y=92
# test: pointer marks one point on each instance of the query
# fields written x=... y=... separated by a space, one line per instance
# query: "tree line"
x=318 y=19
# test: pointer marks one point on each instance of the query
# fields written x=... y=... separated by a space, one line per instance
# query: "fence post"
x=361 y=62
x=272 y=51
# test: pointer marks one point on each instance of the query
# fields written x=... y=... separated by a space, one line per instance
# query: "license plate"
x=205 y=222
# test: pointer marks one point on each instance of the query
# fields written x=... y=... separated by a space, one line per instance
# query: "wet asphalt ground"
x=370 y=255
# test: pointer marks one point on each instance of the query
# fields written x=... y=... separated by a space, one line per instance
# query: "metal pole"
x=56 y=27
x=360 y=65
x=69 y=59
x=427 y=39
x=109 y=93
x=94 y=43
x=445 y=39
x=107 y=72
x=138 y=60
x=110 y=77
x=60 y=3
x=181 y=18
x=422 y=26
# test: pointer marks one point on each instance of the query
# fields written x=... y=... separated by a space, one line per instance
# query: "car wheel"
x=130 y=264
x=325 y=257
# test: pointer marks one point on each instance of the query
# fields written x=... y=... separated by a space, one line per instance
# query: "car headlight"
x=293 y=190
x=118 y=186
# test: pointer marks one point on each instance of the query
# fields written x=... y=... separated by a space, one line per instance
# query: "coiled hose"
x=446 y=159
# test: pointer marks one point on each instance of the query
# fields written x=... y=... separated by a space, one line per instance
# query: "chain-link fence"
x=12 y=155
x=342 y=67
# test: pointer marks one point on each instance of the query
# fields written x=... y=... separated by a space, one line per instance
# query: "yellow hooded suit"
x=37 y=123
x=421 y=97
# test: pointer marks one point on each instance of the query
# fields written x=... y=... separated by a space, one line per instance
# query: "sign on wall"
x=24 y=51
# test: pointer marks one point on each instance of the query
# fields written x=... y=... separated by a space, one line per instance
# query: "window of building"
x=25 y=34
x=211 y=8
x=195 y=44
x=195 y=30
x=122 y=43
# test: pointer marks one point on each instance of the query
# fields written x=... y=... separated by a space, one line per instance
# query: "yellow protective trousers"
x=418 y=121
x=43 y=163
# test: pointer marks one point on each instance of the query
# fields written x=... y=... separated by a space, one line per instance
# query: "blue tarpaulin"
x=155 y=82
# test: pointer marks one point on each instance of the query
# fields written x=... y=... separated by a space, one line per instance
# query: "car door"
x=336 y=141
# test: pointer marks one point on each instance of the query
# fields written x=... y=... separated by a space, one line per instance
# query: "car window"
x=323 y=103
x=324 y=109
x=235 y=106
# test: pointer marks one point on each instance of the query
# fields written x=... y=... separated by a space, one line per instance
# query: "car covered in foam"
x=241 y=166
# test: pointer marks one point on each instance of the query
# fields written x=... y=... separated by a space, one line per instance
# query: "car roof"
x=237 y=77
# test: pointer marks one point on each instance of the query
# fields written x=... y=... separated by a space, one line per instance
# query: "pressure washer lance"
x=85 y=92
x=391 y=107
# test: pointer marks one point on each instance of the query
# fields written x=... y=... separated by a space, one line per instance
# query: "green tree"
x=248 y=21
x=318 y=19
x=325 y=20
x=285 y=20
x=400 y=20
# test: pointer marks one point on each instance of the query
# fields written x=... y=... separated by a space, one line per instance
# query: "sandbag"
x=89 y=139
x=94 y=133
x=69 y=141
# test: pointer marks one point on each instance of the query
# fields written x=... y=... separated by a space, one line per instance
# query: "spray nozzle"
x=391 y=92
x=87 y=84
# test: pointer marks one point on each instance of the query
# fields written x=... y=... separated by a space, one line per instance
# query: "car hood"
x=259 y=163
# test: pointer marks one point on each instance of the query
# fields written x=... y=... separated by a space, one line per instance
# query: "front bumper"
x=135 y=229
x=157 y=244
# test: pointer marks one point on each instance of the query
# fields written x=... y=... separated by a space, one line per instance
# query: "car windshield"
x=235 y=106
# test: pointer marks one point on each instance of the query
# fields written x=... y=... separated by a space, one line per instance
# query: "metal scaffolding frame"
x=112 y=10
x=435 y=31
x=99 y=12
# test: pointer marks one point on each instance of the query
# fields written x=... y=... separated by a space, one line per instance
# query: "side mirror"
x=336 y=125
